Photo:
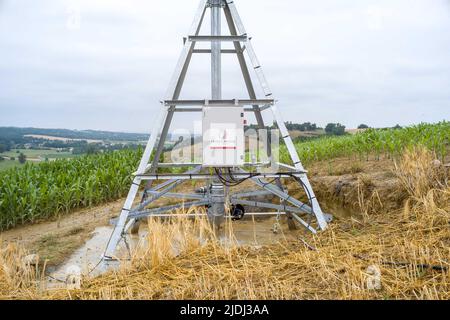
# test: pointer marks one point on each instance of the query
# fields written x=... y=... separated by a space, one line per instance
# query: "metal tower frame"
x=310 y=215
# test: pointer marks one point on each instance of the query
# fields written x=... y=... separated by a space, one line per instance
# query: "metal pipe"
x=228 y=102
x=217 y=38
x=241 y=175
x=216 y=48
x=193 y=215
x=216 y=211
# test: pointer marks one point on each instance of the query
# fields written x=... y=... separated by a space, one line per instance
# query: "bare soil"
x=55 y=240
x=369 y=186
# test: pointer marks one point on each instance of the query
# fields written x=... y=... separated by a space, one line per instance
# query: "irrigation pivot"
x=222 y=163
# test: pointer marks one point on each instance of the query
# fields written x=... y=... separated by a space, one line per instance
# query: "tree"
x=91 y=149
x=339 y=130
x=329 y=128
x=363 y=126
x=22 y=158
x=306 y=126
x=2 y=148
x=336 y=129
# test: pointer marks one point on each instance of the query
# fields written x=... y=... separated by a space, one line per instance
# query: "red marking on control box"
x=223 y=148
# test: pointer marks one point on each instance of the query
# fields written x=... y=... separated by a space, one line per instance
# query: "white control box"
x=223 y=136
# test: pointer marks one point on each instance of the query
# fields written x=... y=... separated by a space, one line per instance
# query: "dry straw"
x=185 y=259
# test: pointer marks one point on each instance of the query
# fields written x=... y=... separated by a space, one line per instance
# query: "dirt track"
x=55 y=240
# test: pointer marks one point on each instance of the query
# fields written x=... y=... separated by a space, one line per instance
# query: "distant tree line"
x=63 y=144
x=5 y=146
x=17 y=138
x=94 y=148
x=17 y=134
x=307 y=126
x=335 y=129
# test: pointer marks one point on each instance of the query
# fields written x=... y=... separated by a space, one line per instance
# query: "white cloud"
x=105 y=64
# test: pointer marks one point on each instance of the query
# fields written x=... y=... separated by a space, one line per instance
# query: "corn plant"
x=375 y=142
x=49 y=189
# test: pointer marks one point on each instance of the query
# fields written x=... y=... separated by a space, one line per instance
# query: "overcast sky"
x=106 y=64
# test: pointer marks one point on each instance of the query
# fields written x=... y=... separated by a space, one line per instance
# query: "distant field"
x=28 y=152
x=33 y=156
x=354 y=131
x=297 y=133
x=7 y=164
x=32 y=153
x=53 y=138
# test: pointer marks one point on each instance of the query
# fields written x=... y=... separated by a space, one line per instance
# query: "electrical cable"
x=231 y=175
x=233 y=182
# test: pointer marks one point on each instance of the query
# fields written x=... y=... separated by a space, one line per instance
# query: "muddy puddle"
x=89 y=257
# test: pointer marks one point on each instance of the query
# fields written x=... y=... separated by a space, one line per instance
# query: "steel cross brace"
x=178 y=195
x=146 y=213
x=286 y=197
x=167 y=185
x=269 y=205
x=250 y=194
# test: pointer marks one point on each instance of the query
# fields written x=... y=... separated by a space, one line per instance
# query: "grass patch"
x=33 y=157
x=8 y=164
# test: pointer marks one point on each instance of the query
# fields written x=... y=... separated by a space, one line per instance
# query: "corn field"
x=49 y=189
x=375 y=143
